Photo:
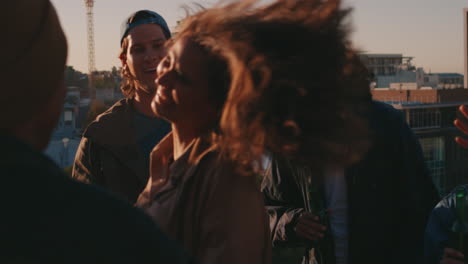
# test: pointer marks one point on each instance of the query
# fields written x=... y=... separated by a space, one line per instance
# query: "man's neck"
x=142 y=103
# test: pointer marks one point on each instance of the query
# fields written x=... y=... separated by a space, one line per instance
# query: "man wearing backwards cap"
x=47 y=217
x=115 y=148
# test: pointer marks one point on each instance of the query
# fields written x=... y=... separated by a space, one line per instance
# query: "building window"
x=434 y=155
x=68 y=117
x=424 y=118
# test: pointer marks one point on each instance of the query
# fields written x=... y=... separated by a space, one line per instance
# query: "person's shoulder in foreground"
x=48 y=217
x=381 y=109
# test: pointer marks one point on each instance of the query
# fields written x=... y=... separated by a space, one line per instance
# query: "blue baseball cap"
x=143 y=17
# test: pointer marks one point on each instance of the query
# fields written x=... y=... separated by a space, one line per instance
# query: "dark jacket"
x=390 y=195
x=49 y=218
x=109 y=155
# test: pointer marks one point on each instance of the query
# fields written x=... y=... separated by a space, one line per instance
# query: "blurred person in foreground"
x=47 y=217
x=323 y=206
x=438 y=247
x=114 y=151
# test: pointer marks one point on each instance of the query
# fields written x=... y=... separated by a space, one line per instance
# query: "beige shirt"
x=200 y=201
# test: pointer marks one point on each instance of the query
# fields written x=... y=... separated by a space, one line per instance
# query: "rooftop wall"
x=423 y=96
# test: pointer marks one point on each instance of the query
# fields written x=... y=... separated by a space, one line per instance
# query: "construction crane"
x=91 y=62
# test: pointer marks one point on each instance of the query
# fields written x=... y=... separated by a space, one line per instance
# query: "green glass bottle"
x=459 y=236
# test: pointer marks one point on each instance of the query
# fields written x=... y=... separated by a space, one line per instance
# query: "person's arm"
x=86 y=167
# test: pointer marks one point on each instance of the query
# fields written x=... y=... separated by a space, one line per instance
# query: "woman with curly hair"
x=240 y=79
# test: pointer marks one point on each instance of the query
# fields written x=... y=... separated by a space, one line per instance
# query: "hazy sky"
x=431 y=31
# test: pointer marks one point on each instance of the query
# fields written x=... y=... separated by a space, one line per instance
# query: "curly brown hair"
x=128 y=84
x=297 y=86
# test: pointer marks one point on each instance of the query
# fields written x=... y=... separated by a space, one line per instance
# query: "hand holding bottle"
x=309 y=227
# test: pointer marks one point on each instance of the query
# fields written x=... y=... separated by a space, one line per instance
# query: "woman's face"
x=183 y=87
x=145 y=50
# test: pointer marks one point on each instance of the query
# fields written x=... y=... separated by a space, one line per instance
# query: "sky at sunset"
x=431 y=31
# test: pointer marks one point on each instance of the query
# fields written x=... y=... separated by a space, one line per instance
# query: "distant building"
x=67 y=125
x=384 y=64
x=430 y=114
x=429 y=96
x=65 y=138
x=443 y=80
x=63 y=151
x=105 y=94
x=396 y=72
x=389 y=68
